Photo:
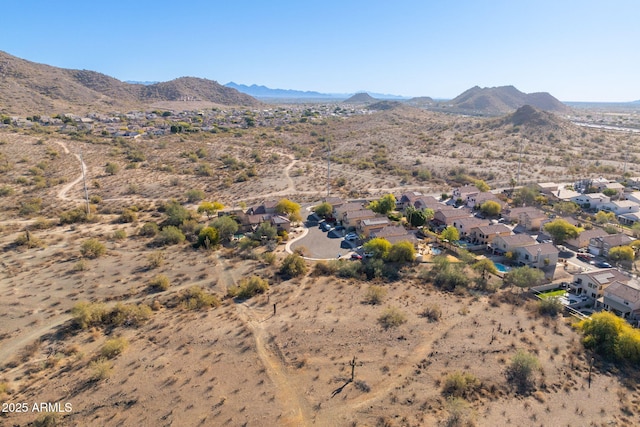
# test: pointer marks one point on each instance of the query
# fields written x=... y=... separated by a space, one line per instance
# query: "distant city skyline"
x=581 y=51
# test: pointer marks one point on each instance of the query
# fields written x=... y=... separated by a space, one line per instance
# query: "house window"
x=579 y=281
x=593 y=295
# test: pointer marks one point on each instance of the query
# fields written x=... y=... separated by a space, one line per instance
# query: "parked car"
x=351 y=236
x=339 y=227
x=356 y=256
x=603 y=264
x=325 y=226
x=584 y=257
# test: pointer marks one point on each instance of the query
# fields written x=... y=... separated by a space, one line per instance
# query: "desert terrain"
x=310 y=350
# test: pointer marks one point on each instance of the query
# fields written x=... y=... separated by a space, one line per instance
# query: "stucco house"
x=602 y=245
x=504 y=244
x=591 y=200
x=583 y=239
x=623 y=299
x=370 y=225
x=593 y=283
x=485 y=234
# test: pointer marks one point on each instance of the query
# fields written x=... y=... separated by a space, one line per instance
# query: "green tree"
x=524 y=277
x=491 y=208
x=265 y=230
x=621 y=253
x=560 y=230
x=525 y=196
x=602 y=333
x=481 y=185
x=176 y=213
x=293 y=265
x=378 y=246
x=249 y=287
x=289 y=208
x=450 y=233
x=170 y=235
x=208 y=238
x=566 y=208
x=635 y=229
x=610 y=192
x=603 y=217
x=384 y=205
x=210 y=208
x=485 y=266
x=226 y=226
x=323 y=210
x=401 y=252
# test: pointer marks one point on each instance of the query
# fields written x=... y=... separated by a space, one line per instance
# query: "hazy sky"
x=577 y=50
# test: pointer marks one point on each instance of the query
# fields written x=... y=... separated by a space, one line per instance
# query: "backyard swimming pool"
x=501 y=267
x=436 y=251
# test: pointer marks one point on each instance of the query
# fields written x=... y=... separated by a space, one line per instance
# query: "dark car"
x=325 y=226
x=603 y=264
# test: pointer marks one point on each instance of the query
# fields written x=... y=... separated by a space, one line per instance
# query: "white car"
x=351 y=236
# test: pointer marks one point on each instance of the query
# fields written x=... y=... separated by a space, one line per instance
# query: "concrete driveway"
x=321 y=244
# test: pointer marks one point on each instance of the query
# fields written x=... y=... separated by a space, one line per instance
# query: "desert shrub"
x=86 y=314
x=611 y=337
x=195 y=298
x=460 y=384
x=292 y=266
x=432 y=312
x=460 y=414
x=169 y=235
x=47 y=420
x=159 y=283
x=114 y=347
x=451 y=278
x=92 y=248
x=119 y=234
x=30 y=207
x=550 y=306
x=521 y=370
x=375 y=294
x=155 y=259
x=326 y=268
x=269 y=258
x=349 y=269
x=81 y=265
x=249 y=287
x=246 y=243
x=176 y=213
x=195 y=195
x=127 y=216
x=101 y=369
x=111 y=168
x=5 y=191
x=226 y=226
x=95 y=199
x=127 y=315
x=149 y=229
x=392 y=317
x=4 y=389
x=28 y=240
x=74 y=216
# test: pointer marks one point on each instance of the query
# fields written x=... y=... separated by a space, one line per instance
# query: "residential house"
x=547 y=187
x=485 y=234
x=591 y=200
x=408 y=199
x=340 y=211
x=267 y=207
x=475 y=200
x=428 y=202
x=465 y=224
x=616 y=186
x=630 y=218
x=623 y=299
x=602 y=245
x=335 y=202
x=281 y=223
x=583 y=239
x=528 y=217
x=504 y=244
x=370 y=225
x=460 y=195
x=354 y=218
x=593 y=283
x=540 y=255
x=447 y=216
x=395 y=233
x=633 y=196
x=563 y=194
x=634 y=182
x=620 y=207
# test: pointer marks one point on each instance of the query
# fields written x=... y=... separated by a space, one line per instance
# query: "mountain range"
x=28 y=87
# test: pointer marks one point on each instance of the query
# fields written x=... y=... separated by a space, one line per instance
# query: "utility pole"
x=84 y=180
x=328 y=169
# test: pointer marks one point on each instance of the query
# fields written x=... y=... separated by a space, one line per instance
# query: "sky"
x=577 y=50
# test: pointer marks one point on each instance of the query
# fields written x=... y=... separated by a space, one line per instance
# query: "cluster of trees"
x=611 y=337
x=400 y=252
